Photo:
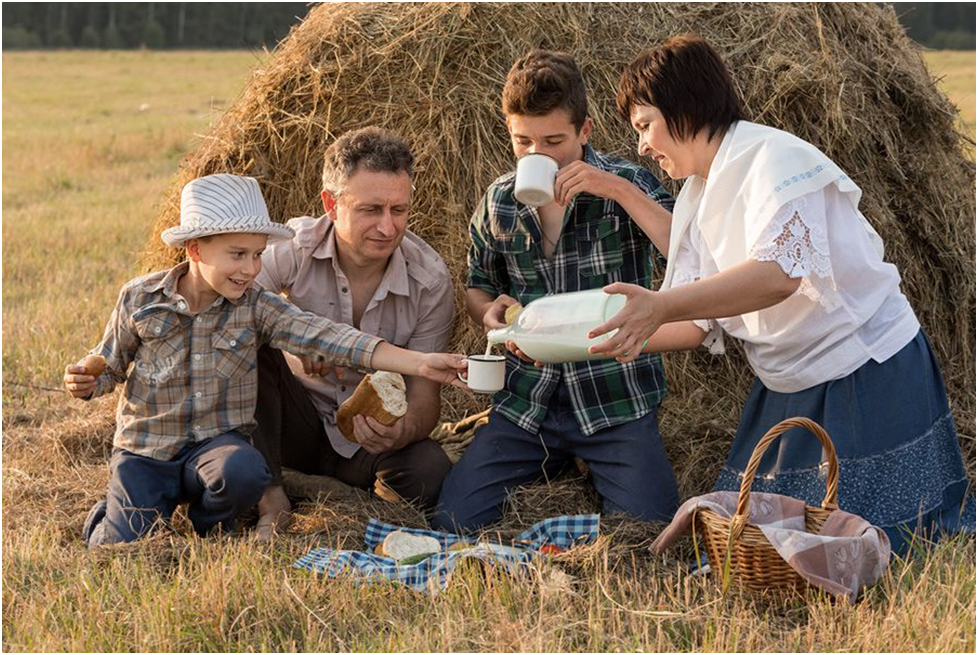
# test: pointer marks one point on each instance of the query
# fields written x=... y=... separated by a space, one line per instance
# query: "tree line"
x=156 y=25
x=937 y=25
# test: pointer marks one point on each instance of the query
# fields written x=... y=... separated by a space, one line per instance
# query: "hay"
x=844 y=77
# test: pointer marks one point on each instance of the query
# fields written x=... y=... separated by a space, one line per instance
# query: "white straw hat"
x=218 y=204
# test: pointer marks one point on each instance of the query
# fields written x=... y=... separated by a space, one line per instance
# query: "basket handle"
x=831 y=485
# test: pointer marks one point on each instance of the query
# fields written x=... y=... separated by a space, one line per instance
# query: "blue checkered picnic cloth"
x=433 y=573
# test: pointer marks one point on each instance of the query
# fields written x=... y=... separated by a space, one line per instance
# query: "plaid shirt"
x=194 y=377
x=599 y=244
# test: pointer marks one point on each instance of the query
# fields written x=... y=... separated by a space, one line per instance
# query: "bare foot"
x=274 y=513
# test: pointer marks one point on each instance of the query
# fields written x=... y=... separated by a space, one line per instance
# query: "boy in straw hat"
x=184 y=341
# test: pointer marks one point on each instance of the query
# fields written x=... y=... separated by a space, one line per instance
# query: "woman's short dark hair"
x=687 y=81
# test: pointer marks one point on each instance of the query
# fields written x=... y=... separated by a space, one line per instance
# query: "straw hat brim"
x=180 y=234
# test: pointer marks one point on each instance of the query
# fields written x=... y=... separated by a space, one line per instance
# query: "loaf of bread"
x=380 y=395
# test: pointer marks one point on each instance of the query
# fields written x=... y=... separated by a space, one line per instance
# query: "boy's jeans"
x=628 y=463
x=220 y=478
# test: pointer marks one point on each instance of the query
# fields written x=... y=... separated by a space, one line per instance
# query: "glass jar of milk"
x=553 y=329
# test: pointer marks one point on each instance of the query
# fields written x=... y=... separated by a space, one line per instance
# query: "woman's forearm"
x=672 y=337
x=741 y=289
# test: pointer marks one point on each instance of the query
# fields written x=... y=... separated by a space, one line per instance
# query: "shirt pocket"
x=161 y=356
x=234 y=352
x=599 y=246
x=517 y=251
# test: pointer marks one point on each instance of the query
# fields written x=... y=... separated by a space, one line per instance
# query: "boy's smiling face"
x=227 y=264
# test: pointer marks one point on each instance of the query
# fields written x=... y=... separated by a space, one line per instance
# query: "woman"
x=768 y=246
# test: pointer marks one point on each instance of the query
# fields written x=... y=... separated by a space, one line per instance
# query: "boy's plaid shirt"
x=598 y=245
x=194 y=377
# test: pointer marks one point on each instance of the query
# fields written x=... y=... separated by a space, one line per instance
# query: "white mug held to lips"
x=535 y=175
x=486 y=373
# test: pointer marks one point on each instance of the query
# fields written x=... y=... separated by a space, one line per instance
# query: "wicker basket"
x=739 y=551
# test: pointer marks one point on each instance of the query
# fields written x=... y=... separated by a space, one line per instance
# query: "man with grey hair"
x=359 y=265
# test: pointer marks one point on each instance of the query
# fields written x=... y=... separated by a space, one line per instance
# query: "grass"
x=955 y=71
x=92 y=140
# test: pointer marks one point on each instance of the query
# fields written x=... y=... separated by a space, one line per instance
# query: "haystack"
x=844 y=77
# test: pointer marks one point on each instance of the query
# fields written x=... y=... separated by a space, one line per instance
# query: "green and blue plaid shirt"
x=599 y=244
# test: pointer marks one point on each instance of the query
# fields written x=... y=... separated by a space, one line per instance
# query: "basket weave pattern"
x=734 y=545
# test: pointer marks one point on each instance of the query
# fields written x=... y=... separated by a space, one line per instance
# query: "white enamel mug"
x=535 y=175
x=486 y=373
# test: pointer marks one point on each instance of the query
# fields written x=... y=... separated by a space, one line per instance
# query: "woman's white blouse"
x=847 y=310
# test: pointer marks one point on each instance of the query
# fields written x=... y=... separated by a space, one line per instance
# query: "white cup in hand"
x=486 y=373
x=535 y=176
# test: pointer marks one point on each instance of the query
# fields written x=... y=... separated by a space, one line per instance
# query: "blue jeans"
x=628 y=466
x=220 y=478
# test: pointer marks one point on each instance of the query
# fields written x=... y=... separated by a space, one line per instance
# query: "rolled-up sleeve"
x=651 y=187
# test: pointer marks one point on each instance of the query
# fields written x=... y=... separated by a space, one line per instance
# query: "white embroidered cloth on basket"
x=848 y=554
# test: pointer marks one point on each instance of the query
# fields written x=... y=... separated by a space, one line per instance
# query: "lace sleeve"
x=796 y=239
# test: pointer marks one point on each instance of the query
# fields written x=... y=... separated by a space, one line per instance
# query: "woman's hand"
x=638 y=319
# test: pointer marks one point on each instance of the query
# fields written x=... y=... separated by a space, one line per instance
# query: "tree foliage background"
x=157 y=25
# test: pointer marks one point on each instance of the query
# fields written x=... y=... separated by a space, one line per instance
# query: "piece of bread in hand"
x=513 y=313
x=381 y=395
x=400 y=545
x=94 y=365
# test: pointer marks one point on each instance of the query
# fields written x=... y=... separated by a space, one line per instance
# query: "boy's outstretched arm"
x=438 y=367
x=286 y=327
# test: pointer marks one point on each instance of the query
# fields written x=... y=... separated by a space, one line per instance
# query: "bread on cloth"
x=380 y=395
x=401 y=545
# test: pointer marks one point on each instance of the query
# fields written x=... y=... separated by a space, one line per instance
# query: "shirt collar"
x=168 y=285
x=395 y=278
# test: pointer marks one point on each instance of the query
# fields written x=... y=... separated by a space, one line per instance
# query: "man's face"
x=229 y=262
x=371 y=214
x=552 y=134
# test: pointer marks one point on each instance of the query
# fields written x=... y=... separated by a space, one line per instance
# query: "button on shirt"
x=413 y=306
x=193 y=377
x=599 y=244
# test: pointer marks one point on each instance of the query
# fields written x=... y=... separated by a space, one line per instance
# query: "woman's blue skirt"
x=900 y=464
